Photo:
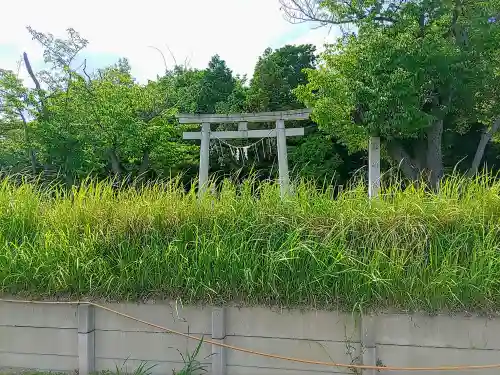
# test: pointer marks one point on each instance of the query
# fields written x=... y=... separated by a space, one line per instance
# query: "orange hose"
x=267 y=355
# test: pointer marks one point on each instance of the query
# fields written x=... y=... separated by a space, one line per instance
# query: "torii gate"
x=242 y=120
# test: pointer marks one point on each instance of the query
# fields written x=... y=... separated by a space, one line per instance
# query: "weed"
x=409 y=249
x=192 y=366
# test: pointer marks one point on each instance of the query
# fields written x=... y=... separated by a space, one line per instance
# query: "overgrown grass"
x=408 y=250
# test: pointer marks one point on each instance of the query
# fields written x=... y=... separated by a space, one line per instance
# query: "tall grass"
x=409 y=249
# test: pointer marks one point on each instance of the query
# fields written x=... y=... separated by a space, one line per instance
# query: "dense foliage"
x=75 y=123
x=422 y=75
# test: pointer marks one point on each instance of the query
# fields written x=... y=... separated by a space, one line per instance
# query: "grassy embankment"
x=409 y=250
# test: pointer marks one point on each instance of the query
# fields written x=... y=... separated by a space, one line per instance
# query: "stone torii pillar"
x=280 y=133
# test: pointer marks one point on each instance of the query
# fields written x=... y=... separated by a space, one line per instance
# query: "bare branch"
x=172 y=55
x=187 y=63
x=300 y=11
x=163 y=56
x=19 y=63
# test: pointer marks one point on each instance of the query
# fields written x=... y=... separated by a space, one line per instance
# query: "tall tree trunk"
x=30 y=151
x=144 y=164
x=115 y=163
x=481 y=148
x=69 y=181
x=434 y=155
x=404 y=160
x=420 y=153
x=33 y=162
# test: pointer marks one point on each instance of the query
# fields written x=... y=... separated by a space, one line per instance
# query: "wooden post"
x=282 y=157
x=204 y=157
x=373 y=167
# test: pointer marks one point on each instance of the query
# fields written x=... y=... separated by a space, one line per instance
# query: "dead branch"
x=163 y=57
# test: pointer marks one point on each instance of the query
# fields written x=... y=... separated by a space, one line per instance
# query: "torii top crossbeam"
x=299 y=114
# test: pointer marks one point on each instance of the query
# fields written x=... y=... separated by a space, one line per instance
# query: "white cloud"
x=238 y=30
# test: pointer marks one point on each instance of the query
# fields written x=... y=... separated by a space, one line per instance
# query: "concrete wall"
x=68 y=338
x=44 y=337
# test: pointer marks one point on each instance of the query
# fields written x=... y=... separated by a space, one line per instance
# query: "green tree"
x=317 y=155
x=15 y=130
x=102 y=123
x=276 y=74
x=217 y=85
x=236 y=102
x=429 y=69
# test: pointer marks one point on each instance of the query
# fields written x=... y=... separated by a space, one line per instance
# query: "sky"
x=193 y=30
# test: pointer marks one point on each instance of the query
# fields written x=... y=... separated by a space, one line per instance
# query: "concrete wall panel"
x=169 y=315
x=30 y=315
x=438 y=331
x=313 y=325
x=147 y=346
x=413 y=356
x=325 y=351
x=39 y=341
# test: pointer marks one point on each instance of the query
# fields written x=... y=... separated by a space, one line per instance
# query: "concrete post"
x=218 y=335
x=373 y=167
x=86 y=340
x=282 y=157
x=204 y=157
x=368 y=344
x=243 y=126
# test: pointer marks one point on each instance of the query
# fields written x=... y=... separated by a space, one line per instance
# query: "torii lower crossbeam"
x=243 y=134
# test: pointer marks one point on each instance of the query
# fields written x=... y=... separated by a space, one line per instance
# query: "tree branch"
x=300 y=11
x=30 y=71
x=481 y=148
x=21 y=114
